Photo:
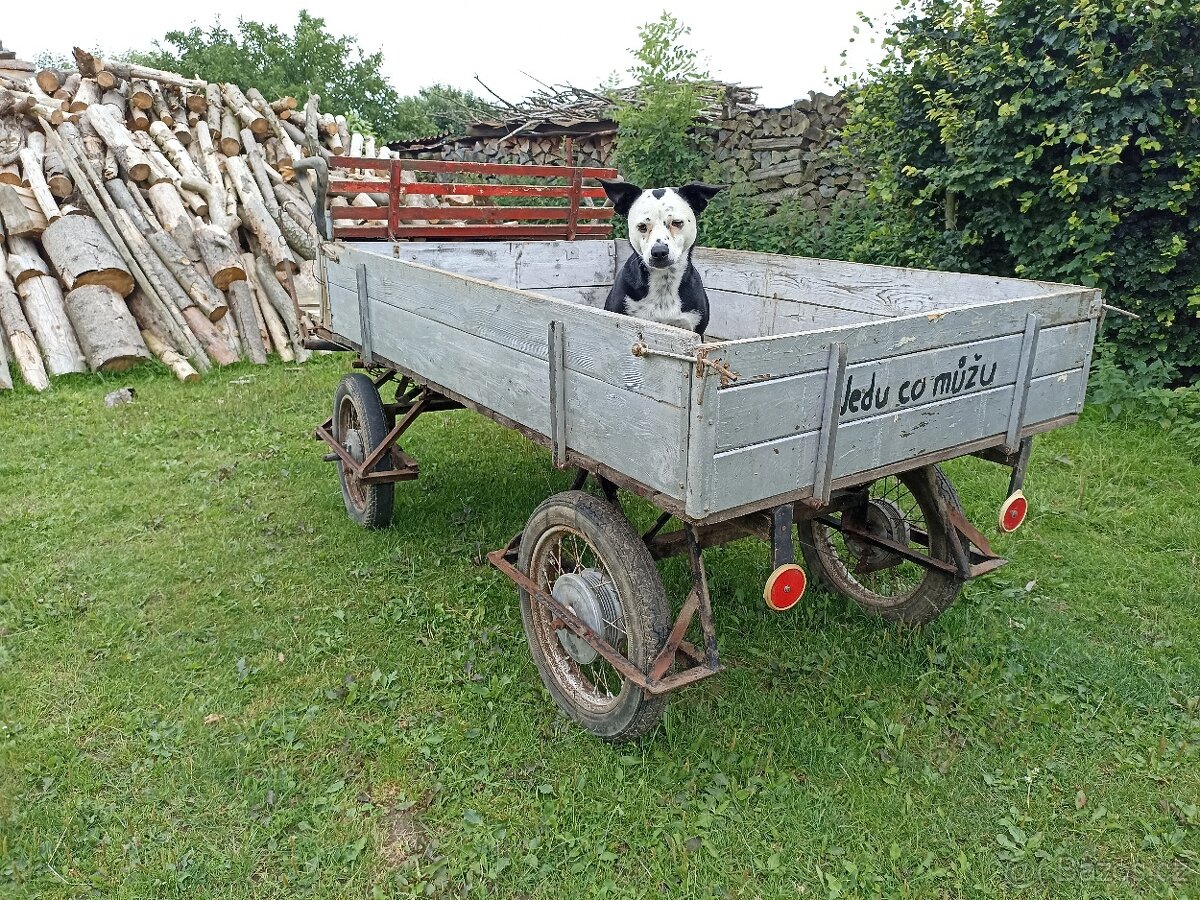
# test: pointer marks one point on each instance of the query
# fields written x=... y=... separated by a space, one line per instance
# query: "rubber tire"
x=937 y=591
x=643 y=601
x=378 y=499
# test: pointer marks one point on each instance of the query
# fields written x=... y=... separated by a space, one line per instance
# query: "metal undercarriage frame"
x=972 y=553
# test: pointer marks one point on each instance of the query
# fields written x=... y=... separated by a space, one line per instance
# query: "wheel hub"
x=885 y=520
x=593 y=599
x=353 y=443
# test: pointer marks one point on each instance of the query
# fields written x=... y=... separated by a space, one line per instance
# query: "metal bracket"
x=783 y=548
x=835 y=386
x=1016 y=415
x=364 y=316
x=404 y=467
x=1017 y=460
x=558 y=393
x=704 y=661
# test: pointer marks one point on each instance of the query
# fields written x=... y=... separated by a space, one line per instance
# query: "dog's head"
x=662 y=221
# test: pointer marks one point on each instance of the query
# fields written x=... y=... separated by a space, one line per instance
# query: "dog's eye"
x=643 y=228
x=678 y=223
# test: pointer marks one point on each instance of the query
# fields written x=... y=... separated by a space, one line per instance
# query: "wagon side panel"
x=914 y=389
x=489 y=345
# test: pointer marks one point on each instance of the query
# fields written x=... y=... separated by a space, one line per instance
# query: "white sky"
x=785 y=49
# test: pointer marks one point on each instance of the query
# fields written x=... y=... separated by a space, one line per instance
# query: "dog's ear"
x=622 y=194
x=697 y=194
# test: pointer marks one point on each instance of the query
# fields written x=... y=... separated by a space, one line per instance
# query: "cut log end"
x=117 y=280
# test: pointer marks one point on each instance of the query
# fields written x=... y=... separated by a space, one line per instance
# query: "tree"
x=1050 y=140
x=437 y=109
x=308 y=60
x=655 y=143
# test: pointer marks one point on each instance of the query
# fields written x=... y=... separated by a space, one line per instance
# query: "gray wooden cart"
x=814 y=410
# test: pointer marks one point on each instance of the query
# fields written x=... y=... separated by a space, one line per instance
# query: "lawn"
x=212 y=684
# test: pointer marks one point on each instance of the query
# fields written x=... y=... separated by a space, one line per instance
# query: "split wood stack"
x=143 y=215
x=788 y=154
x=774 y=155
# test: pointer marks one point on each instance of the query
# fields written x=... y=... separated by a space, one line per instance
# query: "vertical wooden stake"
x=558 y=393
x=1016 y=415
x=835 y=386
x=364 y=316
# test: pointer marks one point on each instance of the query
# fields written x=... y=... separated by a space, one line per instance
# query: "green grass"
x=212 y=684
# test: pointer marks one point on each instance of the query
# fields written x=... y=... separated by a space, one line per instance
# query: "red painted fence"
x=485 y=218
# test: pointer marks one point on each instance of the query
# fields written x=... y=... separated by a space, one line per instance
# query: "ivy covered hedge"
x=1058 y=141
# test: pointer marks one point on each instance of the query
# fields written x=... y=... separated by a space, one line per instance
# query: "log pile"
x=784 y=154
x=775 y=155
x=585 y=150
x=145 y=215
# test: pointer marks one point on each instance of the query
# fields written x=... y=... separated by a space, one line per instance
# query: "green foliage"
x=308 y=60
x=655 y=144
x=436 y=109
x=1138 y=392
x=48 y=59
x=858 y=230
x=1050 y=140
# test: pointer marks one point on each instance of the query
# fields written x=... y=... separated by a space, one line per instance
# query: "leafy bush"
x=655 y=144
x=1138 y=391
x=1056 y=141
x=858 y=230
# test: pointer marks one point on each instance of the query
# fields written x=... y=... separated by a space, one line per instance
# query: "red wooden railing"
x=485 y=219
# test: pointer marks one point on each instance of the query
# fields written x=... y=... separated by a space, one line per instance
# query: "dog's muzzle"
x=660 y=255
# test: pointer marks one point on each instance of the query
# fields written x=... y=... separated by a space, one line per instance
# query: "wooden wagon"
x=814 y=411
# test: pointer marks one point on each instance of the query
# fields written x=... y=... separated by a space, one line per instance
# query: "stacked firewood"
x=788 y=154
x=145 y=214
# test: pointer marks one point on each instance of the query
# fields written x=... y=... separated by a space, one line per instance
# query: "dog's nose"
x=659 y=251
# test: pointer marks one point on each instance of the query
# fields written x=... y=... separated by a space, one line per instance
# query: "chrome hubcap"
x=593 y=599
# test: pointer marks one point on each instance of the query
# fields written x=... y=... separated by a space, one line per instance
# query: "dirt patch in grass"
x=402 y=837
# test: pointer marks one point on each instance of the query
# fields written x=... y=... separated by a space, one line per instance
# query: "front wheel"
x=578 y=548
x=903 y=509
x=359 y=425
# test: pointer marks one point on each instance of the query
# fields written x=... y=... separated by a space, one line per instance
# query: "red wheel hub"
x=785 y=587
x=1013 y=512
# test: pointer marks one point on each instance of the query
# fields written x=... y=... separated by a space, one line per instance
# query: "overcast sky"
x=785 y=49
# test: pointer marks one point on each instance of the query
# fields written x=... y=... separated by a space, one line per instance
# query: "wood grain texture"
x=876 y=290
x=45 y=308
x=529 y=265
x=598 y=344
x=633 y=433
x=755 y=412
x=783 y=355
x=777 y=467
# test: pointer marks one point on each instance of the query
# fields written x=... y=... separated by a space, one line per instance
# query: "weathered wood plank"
x=878 y=290
x=593 y=296
x=343 y=311
x=783 y=355
x=749 y=474
x=598 y=343
x=643 y=438
x=737 y=316
x=529 y=265
x=761 y=411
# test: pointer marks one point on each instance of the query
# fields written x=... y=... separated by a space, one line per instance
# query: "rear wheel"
x=902 y=509
x=359 y=425
x=582 y=551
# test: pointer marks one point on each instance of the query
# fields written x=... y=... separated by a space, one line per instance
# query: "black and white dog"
x=659 y=282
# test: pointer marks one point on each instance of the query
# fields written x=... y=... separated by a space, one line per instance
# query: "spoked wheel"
x=359 y=425
x=902 y=509
x=583 y=552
